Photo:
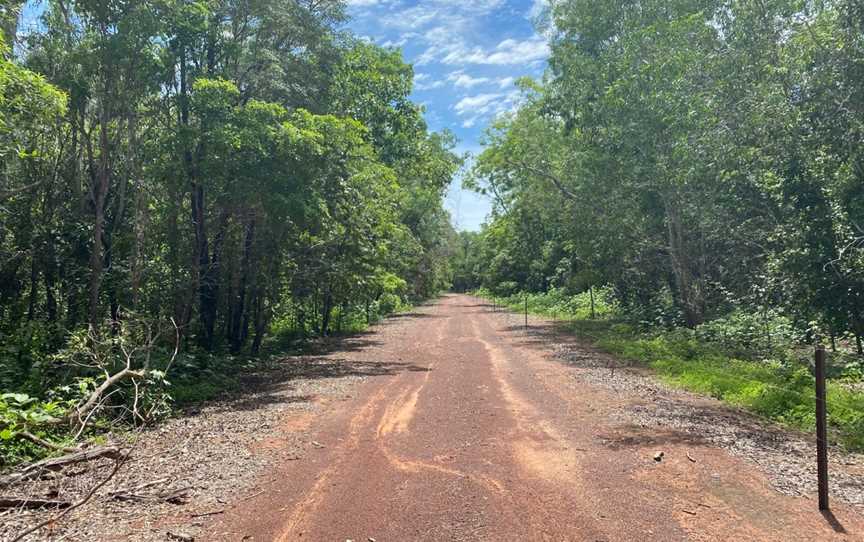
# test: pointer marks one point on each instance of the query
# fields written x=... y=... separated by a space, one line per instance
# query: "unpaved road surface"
x=482 y=435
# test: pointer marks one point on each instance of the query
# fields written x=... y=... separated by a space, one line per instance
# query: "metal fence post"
x=821 y=429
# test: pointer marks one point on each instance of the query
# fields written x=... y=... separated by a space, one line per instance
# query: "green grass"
x=780 y=389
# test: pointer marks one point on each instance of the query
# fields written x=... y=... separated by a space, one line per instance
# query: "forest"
x=229 y=277
x=184 y=185
x=189 y=186
x=698 y=165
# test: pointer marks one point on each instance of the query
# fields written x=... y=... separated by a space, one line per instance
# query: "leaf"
x=20 y=398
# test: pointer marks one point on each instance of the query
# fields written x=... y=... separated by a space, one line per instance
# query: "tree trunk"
x=326 y=313
x=201 y=265
x=689 y=295
x=9 y=20
x=140 y=220
x=96 y=254
x=260 y=323
x=239 y=319
x=100 y=185
x=50 y=280
x=34 y=280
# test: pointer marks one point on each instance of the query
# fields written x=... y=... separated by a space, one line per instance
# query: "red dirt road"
x=481 y=435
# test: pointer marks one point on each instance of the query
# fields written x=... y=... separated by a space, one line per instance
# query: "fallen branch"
x=30 y=503
x=120 y=459
x=44 y=443
x=205 y=514
x=139 y=487
x=56 y=463
x=80 y=413
x=177 y=496
x=54 y=519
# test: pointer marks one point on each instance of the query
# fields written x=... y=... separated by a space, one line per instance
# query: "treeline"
x=702 y=157
x=228 y=166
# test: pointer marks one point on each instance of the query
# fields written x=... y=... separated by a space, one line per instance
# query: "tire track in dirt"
x=484 y=437
x=539 y=447
x=315 y=495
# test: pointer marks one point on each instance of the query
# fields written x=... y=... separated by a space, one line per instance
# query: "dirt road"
x=481 y=435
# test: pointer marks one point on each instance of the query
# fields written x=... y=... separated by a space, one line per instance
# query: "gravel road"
x=454 y=423
x=487 y=435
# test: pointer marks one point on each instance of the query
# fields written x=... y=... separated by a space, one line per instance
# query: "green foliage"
x=244 y=170
x=694 y=157
x=691 y=156
x=780 y=390
x=20 y=412
x=557 y=303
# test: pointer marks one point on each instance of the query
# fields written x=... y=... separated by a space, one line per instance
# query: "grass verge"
x=780 y=388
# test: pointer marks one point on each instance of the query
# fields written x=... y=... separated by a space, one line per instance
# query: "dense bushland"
x=702 y=160
x=701 y=157
x=180 y=181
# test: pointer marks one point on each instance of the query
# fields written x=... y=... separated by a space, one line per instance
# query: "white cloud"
x=423 y=81
x=448 y=41
x=505 y=82
x=491 y=104
x=537 y=8
x=477 y=104
x=395 y=43
x=511 y=51
x=413 y=18
x=429 y=86
x=454 y=51
x=463 y=80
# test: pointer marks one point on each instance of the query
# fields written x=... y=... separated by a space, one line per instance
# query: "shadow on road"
x=834 y=522
x=275 y=381
x=422 y=315
x=275 y=384
x=635 y=436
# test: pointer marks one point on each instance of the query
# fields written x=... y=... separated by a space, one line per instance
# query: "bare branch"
x=54 y=519
x=537 y=171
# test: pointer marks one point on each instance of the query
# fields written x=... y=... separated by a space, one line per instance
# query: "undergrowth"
x=189 y=378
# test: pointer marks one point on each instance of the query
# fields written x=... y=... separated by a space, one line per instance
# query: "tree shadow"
x=539 y=335
x=257 y=401
x=635 y=436
x=834 y=522
x=322 y=346
x=420 y=315
x=276 y=383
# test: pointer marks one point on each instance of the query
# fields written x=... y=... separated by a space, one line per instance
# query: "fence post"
x=526 y=311
x=821 y=429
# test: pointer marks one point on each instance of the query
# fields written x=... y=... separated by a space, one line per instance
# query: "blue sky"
x=466 y=56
